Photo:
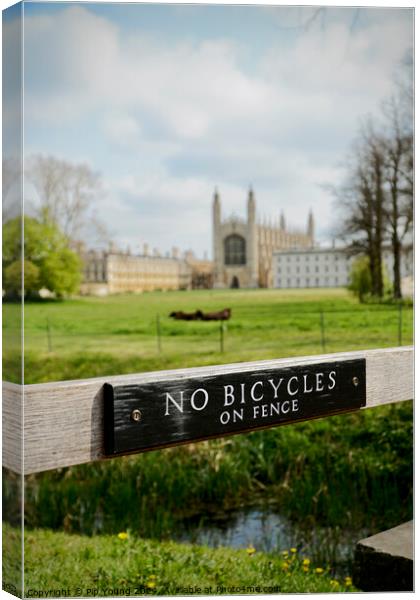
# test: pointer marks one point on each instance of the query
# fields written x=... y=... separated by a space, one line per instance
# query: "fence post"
x=158 y=333
x=49 y=335
x=400 y=324
x=322 y=324
x=222 y=345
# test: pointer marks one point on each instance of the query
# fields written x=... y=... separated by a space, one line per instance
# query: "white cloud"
x=186 y=86
x=196 y=113
x=122 y=130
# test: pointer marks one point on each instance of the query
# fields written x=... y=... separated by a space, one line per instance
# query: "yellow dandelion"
x=250 y=550
x=347 y=581
x=306 y=562
x=305 y=568
x=333 y=582
x=123 y=535
x=285 y=553
x=293 y=550
x=285 y=565
x=151 y=585
x=319 y=570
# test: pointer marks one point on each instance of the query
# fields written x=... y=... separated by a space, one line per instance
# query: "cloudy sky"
x=168 y=101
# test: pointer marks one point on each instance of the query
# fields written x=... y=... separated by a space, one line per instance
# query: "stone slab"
x=384 y=562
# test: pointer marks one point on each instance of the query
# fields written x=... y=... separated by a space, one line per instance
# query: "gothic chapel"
x=243 y=250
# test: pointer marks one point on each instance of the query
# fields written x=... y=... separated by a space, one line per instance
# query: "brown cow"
x=198 y=315
x=221 y=315
x=183 y=316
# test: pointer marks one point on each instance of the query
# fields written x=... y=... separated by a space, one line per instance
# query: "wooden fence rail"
x=58 y=424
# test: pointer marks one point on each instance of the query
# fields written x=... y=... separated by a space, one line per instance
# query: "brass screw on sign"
x=355 y=381
x=136 y=415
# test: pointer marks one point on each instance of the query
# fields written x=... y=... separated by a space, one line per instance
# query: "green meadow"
x=89 y=337
x=347 y=472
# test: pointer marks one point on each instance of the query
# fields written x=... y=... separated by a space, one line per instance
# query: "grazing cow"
x=183 y=316
x=198 y=315
x=221 y=315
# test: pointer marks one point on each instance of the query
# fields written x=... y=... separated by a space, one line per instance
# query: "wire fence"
x=326 y=329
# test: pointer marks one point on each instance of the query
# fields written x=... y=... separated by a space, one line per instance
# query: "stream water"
x=269 y=531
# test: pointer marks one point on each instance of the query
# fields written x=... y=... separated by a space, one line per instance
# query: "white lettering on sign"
x=289 y=390
x=225 y=417
x=206 y=404
x=180 y=406
x=306 y=388
x=238 y=415
x=331 y=377
x=319 y=384
x=242 y=393
x=261 y=411
x=274 y=396
x=206 y=399
x=180 y=403
x=257 y=399
x=275 y=387
x=229 y=397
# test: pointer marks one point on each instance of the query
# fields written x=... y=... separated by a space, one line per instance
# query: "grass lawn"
x=118 y=334
x=122 y=565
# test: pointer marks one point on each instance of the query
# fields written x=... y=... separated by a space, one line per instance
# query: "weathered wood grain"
x=12 y=430
x=63 y=421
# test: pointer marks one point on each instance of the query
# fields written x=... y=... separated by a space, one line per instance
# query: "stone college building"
x=242 y=257
x=243 y=249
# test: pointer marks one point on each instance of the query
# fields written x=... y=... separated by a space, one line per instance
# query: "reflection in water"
x=271 y=532
x=265 y=531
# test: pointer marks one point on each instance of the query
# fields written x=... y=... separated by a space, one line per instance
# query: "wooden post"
x=49 y=335
x=158 y=333
x=400 y=324
x=222 y=345
x=322 y=324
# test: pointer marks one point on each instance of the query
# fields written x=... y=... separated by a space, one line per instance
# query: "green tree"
x=360 y=278
x=12 y=279
x=46 y=249
x=61 y=272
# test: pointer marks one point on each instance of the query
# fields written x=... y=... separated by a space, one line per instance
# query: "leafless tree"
x=398 y=153
x=376 y=201
x=361 y=202
x=66 y=195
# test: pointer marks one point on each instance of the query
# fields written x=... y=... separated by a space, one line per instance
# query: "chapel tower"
x=243 y=248
x=252 y=253
x=311 y=227
x=217 y=223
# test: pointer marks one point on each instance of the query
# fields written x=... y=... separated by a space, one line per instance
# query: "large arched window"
x=235 y=250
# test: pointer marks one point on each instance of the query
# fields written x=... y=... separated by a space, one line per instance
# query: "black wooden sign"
x=165 y=413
